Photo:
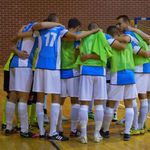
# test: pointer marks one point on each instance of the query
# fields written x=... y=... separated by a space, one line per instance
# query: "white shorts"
x=20 y=79
x=70 y=87
x=122 y=92
x=142 y=82
x=47 y=81
x=92 y=87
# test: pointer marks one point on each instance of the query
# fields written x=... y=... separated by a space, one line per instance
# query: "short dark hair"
x=92 y=25
x=52 y=17
x=124 y=17
x=73 y=23
x=112 y=30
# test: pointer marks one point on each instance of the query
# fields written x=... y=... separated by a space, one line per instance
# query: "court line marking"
x=55 y=145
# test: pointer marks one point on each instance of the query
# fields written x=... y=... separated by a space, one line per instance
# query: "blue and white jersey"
x=49 y=47
x=25 y=44
x=145 y=68
x=96 y=70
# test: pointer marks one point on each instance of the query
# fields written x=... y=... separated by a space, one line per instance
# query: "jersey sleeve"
x=63 y=32
x=132 y=36
x=109 y=39
x=135 y=47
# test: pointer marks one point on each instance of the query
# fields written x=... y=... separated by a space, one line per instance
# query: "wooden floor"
x=115 y=142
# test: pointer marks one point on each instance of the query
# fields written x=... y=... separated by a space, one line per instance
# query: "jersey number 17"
x=50 y=39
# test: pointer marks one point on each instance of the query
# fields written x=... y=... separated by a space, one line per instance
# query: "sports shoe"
x=104 y=134
x=121 y=122
x=134 y=132
x=126 y=137
x=9 y=132
x=142 y=131
x=97 y=139
x=75 y=134
x=26 y=134
x=91 y=115
x=83 y=139
x=58 y=137
x=46 y=120
x=3 y=127
x=148 y=129
x=115 y=118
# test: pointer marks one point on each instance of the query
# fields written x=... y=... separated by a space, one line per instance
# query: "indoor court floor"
x=115 y=142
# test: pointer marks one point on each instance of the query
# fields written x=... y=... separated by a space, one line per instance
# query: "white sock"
x=23 y=115
x=74 y=117
x=99 y=115
x=54 y=114
x=116 y=106
x=10 y=108
x=40 y=117
x=129 y=115
x=60 y=127
x=83 y=119
x=149 y=105
x=143 y=113
x=108 y=115
x=135 y=120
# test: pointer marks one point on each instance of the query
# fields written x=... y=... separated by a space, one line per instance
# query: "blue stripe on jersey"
x=146 y=68
x=93 y=70
x=49 y=49
x=125 y=77
x=68 y=73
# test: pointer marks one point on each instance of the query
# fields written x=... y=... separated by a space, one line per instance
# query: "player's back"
x=49 y=46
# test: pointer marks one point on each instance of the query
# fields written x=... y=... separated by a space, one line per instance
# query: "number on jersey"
x=50 y=39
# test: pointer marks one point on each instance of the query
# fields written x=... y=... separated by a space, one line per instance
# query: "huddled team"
x=84 y=65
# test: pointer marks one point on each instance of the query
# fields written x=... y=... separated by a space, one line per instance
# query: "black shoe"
x=3 y=127
x=58 y=137
x=61 y=133
x=126 y=137
x=75 y=134
x=43 y=136
x=8 y=132
x=104 y=134
x=26 y=134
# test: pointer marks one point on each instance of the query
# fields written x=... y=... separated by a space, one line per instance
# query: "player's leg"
x=11 y=102
x=130 y=93
x=85 y=96
x=99 y=95
x=53 y=85
x=115 y=94
x=73 y=92
x=39 y=87
x=141 y=83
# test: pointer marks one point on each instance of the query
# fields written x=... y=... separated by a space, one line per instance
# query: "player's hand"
x=84 y=57
x=23 y=54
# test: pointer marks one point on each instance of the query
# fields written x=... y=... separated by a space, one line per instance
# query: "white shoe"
x=97 y=139
x=46 y=120
x=83 y=139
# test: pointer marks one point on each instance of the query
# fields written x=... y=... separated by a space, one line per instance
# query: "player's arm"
x=89 y=56
x=139 y=51
x=22 y=35
x=118 y=45
x=123 y=38
x=75 y=37
x=45 y=25
x=145 y=36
